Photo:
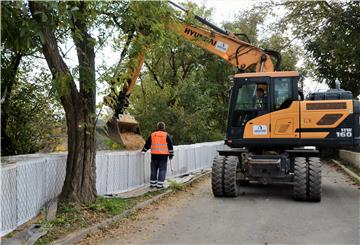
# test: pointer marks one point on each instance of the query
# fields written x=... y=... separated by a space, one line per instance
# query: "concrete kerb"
x=350 y=157
x=348 y=171
x=76 y=236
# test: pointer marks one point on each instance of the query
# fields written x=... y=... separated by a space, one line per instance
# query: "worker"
x=260 y=99
x=161 y=146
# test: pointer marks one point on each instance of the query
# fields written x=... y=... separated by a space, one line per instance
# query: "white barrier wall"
x=32 y=180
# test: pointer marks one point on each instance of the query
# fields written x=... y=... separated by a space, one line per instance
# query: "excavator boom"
x=124 y=129
x=233 y=50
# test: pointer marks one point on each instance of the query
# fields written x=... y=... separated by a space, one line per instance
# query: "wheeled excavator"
x=270 y=125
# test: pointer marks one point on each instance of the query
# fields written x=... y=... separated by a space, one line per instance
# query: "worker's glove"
x=171 y=156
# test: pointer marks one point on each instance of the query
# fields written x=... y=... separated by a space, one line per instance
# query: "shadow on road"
x=263 y=191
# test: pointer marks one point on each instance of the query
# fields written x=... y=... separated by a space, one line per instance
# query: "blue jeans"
x=158 y=172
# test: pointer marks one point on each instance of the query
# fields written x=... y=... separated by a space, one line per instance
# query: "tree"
x=330 y=32
x=33 y=113
x=52 y=19
x=79 y=104
x=17 y=40
x=51 y=24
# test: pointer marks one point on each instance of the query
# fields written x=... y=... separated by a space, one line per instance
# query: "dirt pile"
x=132 y=141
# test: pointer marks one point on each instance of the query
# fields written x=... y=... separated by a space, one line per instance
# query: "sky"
x=223 y=10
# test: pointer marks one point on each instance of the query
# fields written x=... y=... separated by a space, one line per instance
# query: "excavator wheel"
x=230 y=183
x=307 y=179
x=300 y=179
x=314 y=180
x=217 y=176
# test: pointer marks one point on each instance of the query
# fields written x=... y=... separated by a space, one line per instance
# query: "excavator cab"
x=267 y=111
x=254 y=98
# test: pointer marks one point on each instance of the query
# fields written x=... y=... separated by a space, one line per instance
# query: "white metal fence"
x=32 y=180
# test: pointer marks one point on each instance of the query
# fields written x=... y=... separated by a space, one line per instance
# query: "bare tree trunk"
x=79 y=106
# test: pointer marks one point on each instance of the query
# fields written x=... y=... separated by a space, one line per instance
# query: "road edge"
x=346 y=170
x=77 y=236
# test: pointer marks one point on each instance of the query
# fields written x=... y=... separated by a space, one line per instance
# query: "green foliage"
x=247 y=23
x=139 y=24
x=176 y=186
x=109 y=144
x=192 y=103
x=30 y=112
x=33 y=114
x=113 y=206
x=17 y=28
x=251 y=23
x=330 y=32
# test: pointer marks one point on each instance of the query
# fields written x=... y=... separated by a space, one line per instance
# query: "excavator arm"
x=220 y=42
x=230 y=48
x=122 y=127
x=226 y=45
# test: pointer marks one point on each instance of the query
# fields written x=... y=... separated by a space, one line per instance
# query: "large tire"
x=300 y=179
x=314 y=179
x=217 y=176
x=230 y=185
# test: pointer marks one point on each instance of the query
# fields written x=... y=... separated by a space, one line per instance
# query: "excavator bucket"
x=125 y=130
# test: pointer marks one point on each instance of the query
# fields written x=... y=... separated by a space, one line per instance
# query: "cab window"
x=282 y=93
x=251 y=101
x=252 y=96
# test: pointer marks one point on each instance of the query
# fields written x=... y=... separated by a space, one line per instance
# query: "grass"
x=74 y=216
x=176 y=186
x=356 y=181
x=350 y=166
x=353 y=168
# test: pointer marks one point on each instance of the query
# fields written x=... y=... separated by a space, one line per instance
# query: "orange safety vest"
x=158 y=143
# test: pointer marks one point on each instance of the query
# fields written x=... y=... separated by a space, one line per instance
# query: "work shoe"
x=153 y=183
x=160 y=185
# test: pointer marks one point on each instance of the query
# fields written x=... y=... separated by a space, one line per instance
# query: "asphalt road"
x=260 y=215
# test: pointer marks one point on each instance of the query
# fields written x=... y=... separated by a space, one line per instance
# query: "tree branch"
x=156 y=78
x=59 y=70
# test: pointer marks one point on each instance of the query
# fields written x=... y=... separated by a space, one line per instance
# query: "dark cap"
x=161 y=126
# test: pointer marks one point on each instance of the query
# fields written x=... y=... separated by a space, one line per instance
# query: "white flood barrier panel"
x=29 y=181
